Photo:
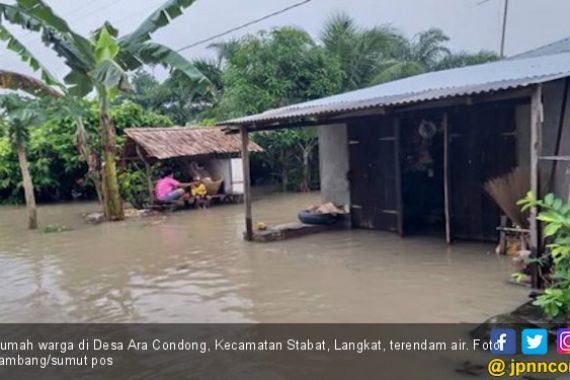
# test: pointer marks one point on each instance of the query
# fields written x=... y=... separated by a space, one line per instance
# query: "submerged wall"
x=334 y=164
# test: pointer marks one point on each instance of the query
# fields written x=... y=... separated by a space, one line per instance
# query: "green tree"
x=277 y=68
x=176 y=97
x=360 y=51
x=18 y=116
x=415 y=56
x=462 y=59
x=426 y=52
x=59 y=172
x=273 y=69
x=99 y=64
x=225 y=50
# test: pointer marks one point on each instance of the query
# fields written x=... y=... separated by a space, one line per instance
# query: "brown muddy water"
x=194 y=267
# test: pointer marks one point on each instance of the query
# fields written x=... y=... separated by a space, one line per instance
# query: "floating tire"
x=308 y=217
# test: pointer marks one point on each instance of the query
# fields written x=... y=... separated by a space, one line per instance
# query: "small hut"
x=204 y=149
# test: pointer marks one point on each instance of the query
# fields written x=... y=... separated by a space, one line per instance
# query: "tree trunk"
x=28 y=188
x=305 y=184
x=284 y=171
x=94 y=174
x=112 y=204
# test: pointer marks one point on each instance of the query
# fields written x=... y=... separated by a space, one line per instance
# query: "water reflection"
x=194 y=267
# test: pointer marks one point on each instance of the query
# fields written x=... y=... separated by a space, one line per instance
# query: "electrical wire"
x=242 y=26
x=28 y=36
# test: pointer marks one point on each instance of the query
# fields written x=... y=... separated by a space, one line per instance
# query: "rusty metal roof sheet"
x=162 y=143
x=471 y=80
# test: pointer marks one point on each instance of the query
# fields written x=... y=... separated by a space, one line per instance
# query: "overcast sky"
x=470 y=26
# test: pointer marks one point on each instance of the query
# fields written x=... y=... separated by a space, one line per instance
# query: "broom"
x=507 y=190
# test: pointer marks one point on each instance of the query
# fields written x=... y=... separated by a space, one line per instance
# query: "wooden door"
x=481 y=146
x=375 y=182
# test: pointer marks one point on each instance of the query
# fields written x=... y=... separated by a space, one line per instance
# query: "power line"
x=130 y=15
x=242 y=26
x=29 y=35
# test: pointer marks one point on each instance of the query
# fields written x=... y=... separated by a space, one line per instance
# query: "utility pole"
x=505 y=19
x=504 y=34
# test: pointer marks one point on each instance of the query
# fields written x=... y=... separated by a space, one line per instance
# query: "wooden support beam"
x=536 y=118
x=246 y=183
x=446 y=191
x=398 y=171
x=148 y=174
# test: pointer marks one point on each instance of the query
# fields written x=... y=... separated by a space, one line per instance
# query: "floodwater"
x=194 y=267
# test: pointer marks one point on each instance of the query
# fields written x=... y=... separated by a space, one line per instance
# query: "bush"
x=57 y=171
x=555 y=214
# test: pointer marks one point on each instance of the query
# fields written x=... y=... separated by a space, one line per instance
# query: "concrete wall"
x=220 y=168
x=334 y=164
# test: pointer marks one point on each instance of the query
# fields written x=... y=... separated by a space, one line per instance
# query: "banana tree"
x=17 y=116
x=16 y=81
x=99 y=63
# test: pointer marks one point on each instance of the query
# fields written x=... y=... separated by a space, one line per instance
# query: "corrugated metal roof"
x=173 y=142
x=471 y=80
x=556 y=47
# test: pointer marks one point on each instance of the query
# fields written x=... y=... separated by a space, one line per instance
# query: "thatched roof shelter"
x=172 y=142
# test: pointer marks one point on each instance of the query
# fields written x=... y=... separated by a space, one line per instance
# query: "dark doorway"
x=421 y=160
x=398 y=170
x=375 y=174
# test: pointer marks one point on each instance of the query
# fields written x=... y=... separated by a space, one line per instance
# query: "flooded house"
x=192 y=149
x=411 y=156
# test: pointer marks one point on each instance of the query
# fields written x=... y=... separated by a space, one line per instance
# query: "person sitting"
x=199 y=190
x=168 y=189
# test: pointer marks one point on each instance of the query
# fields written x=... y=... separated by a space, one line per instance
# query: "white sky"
x=471 y=26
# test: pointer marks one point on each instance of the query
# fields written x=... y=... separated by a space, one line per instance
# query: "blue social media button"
x=534 y=342
x=503 y=341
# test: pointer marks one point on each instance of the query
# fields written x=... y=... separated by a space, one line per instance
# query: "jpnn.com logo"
x=504 y=341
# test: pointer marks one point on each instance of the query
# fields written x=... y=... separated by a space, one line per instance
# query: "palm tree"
x=462 y=59
x=224 y=50
x=99 y=64
x=17 y=116
x=360 y=51
x=418 y=55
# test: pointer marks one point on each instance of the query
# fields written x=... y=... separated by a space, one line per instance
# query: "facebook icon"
x=503 y=341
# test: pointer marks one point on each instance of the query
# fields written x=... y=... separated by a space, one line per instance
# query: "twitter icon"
x=534 y=342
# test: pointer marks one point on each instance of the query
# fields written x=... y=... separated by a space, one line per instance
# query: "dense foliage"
x=275 y=69
x=56 y=168
x=177 y=97
x=555 y=214
x=249 y=75
x=99 y=65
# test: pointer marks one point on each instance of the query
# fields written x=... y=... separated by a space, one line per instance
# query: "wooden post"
x=398 y=172
x=150 y=188
x=246 y=183
x=446 y=192
x=536 y=118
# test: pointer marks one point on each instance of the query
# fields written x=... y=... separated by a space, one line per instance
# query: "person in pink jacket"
x=168 y=189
